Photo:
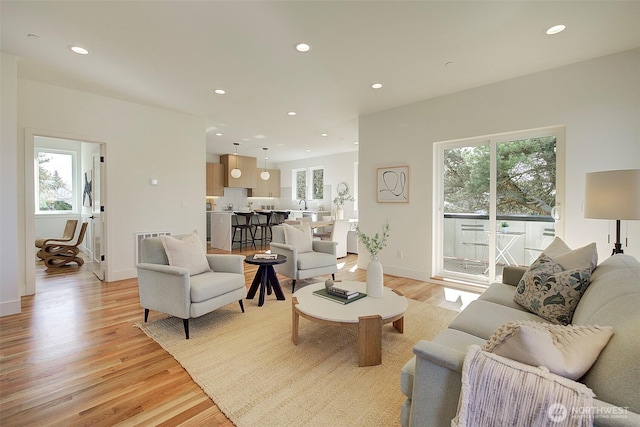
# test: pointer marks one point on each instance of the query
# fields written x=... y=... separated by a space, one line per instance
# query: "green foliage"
x=525 y=179
x=54 y=193
x=317 y=189
x=376 y=243
x=301 y=184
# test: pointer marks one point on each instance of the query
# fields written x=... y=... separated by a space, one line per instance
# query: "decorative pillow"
x=186 y=252
x=550 y=291
x=586 y=256
x=569 y=351
x=298 y=236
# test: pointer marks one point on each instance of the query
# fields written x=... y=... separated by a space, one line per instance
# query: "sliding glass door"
x=497 y=202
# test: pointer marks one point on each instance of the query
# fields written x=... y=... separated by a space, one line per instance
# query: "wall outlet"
x=399 y=254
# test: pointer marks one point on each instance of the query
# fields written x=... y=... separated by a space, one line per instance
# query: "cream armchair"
x=303 y=265
x=174 y=291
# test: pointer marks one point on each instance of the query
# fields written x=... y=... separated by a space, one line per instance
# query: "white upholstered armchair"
x=305 y=259
x=202 y=284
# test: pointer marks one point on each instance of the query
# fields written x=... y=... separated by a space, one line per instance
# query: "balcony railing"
x=525 y=249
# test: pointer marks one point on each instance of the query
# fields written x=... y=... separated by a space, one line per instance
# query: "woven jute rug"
x=250 y=368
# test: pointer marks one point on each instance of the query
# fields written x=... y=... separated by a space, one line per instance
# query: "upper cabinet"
x=215 y=179
x=248 y=167
x=268 y=188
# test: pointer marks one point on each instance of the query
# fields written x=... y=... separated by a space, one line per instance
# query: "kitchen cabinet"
x=215 y=179
x=268 y=188
x=248 y=167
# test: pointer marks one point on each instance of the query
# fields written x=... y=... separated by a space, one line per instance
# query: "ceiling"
x=174 y=54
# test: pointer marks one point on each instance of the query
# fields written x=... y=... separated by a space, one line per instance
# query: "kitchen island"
x=221 y=230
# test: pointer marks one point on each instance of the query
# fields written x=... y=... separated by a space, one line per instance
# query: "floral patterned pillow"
x=550 y=291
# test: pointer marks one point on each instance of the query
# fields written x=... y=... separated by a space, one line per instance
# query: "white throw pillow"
x=186 y=252
x=586 y=256
x=298 y=236
x=568 y=351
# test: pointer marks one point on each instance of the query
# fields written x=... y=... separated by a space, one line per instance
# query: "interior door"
x=97 y=217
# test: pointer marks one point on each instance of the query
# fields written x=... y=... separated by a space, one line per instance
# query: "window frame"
x=309 y=175
x=74 y=181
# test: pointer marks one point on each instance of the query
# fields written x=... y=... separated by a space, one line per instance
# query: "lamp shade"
x=612 y=195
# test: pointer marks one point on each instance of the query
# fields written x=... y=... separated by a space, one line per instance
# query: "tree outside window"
x=301 y=184
x=55 y=190
x=317 y=189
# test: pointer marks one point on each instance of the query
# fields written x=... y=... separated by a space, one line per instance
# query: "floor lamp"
x=613 y=195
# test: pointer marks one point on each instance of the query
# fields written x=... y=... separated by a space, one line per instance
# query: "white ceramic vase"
x=375 y=281
x=339 y=212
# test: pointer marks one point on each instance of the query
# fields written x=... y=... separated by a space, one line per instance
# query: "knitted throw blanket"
x=497 y=391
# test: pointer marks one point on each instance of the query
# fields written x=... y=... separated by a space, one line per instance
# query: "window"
x=317 y=184
x=55 y=178
x=309 y=183
x=497 y=196
x=300 y=189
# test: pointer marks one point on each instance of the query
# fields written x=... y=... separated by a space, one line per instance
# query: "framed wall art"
x=393 y=184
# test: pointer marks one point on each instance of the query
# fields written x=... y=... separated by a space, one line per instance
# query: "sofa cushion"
x=482 y=318
x=613 y=299
x=551 y=291
x=502 y=294
x=186 y=252
x=210 y=285
x=299 y=236
x=568 y=351
x=310 y=260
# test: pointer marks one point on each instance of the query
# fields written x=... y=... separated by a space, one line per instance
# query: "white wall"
x=337 y=168
x=598 y=101
x=9 y=272
x=141 y=143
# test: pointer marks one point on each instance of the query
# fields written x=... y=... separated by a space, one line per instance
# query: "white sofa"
x=431 y=379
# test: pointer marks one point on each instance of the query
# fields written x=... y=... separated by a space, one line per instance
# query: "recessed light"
x=218 y=134
x=556 y=29
x=303 y=47
x=324 y=134
x=79 y=50
x=356 y=142
x=220 y=91
x=307 y=150
x=292 y=113
x=376 y=85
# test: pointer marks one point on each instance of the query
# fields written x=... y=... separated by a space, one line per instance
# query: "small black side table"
x=265 y=278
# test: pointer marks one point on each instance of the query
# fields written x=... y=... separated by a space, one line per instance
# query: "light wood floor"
x=73 y=356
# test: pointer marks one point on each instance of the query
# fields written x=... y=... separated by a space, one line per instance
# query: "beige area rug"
x=250 y=368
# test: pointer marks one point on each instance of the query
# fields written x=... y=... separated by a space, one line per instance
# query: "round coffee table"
x=367 y=315
x=265 y=277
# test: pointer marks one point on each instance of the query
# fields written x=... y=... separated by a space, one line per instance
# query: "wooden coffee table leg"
x=295 y=320
x=399 y=325
x=369 y=340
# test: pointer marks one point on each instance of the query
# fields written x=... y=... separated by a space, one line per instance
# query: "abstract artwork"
x=86 y=192
x=393 y=184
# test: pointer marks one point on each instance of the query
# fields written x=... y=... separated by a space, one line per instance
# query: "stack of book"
x=342 y=292
x=265 y=256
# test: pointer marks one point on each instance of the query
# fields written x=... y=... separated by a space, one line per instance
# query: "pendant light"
x=235 y=172
x=265 y=174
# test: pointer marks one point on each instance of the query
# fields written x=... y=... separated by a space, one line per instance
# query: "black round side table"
x=265 y=277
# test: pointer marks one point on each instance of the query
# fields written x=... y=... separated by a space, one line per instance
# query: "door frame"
x=437 y=263
x=29 y=192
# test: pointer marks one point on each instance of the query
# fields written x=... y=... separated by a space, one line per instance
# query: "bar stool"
x=242 y=222
x=263 y=221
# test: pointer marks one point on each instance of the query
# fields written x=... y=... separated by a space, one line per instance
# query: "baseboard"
x=8 y=308
x=114 y=276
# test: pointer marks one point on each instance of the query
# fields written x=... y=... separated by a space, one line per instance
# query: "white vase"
x=339 y=212
x=375 y=281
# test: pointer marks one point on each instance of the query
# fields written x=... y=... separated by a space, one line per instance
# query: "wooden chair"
x=58 y=254
x=67 y=236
